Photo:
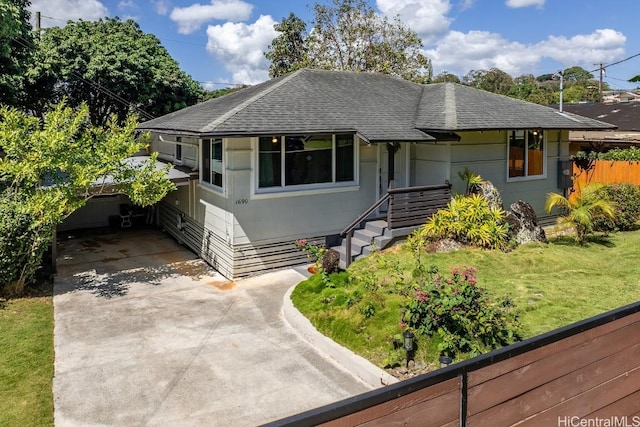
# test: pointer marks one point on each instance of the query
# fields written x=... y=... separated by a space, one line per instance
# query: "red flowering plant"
x=459 y=313
x=314 y=251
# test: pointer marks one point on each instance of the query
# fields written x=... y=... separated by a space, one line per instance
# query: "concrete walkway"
x=147 y=334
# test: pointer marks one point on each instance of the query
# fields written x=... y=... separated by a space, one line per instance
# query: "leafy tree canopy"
x=50 y=168
x=133 y=70
x=288 y=51
x=446 y=77
x=349 y=35
x=16 y=48
x=493 y=80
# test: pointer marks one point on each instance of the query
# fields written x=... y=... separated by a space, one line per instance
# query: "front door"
x=400 y=173
x=399 y=167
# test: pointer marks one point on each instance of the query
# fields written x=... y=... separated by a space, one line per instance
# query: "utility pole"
x=38 y=22
x=600 y=83
x=561 y=74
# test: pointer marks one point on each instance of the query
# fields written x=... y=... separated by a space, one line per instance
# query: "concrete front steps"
x=375 y=235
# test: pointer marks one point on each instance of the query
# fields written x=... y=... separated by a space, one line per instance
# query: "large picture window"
x=212 y=168
x=285 y=161
x=526 y=153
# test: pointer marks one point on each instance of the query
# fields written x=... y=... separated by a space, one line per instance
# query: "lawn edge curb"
x=356 y=365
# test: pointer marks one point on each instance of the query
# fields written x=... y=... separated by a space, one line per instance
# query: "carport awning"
x=176 y=175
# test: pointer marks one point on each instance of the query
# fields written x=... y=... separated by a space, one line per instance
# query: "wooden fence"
x=581 y=374
x=608 y=172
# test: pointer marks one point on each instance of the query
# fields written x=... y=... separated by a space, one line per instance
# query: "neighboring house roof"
x=376 y=106
x=625 y=115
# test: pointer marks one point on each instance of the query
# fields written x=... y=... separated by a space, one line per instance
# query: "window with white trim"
x=177 y=156
x=526 y=151
x=289 y=161
x=212 y=166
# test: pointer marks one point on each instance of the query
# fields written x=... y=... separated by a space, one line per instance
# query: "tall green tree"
x=288 y=51
x=113 y=67
x=493 y=80
x=446 y=77
x=50 y=168
x=349 y=35
x=16 y=49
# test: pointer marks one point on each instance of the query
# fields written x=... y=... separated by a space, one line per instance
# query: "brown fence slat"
x=590 y=401
x=554 y=365
x=419 y=401
x=627 y=405
x=513 y=363
x=522 y=406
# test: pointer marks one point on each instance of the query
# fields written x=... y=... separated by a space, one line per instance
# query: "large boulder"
x=523 y=224
x=330 y=261
x=488 y=191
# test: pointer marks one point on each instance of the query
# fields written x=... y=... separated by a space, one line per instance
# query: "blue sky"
x=221 y=42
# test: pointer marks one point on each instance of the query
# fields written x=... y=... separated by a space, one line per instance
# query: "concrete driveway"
x=147 y=334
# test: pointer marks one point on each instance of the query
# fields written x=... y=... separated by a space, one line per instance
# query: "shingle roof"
x=377 y=106
x=454 y=107
x=625 y=115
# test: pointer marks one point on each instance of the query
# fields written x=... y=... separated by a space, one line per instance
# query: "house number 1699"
x=242 y=201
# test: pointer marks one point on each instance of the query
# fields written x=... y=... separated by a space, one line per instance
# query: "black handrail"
x=365 y=214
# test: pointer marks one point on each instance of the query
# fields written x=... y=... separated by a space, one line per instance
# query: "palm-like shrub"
x=582 y=209
x=469 y=219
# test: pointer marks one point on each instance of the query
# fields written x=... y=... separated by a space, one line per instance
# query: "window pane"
x=535 y=153
x=216 y=162
x=344 y=158
x=308 y=159
x=269 y=163
x=516 y=153
x=206 y=160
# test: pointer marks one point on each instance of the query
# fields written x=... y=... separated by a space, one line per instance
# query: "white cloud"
x=458 y=53
x=191 y=18
x=241 y=48
x=428 y=18
x=63 y=10
x=524 y=3
x=127 y=4
x=602 y=45
x=161 y=6
x=466 y=4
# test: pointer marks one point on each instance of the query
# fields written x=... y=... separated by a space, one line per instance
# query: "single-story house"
x=303 y=155
x=624 y=115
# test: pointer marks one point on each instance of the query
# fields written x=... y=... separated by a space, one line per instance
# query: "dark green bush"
x=626 y=198
x=460 y=313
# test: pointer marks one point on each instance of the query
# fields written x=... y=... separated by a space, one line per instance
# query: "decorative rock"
x=330 y=261
x=490 y=193
x=445 y=245
x=524 y=222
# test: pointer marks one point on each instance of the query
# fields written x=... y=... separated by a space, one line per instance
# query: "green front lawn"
x=551 y=285
x=26 y=360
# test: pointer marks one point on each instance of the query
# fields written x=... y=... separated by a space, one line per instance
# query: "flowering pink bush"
x=460 y=313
